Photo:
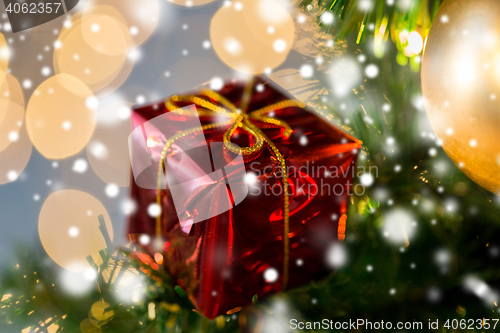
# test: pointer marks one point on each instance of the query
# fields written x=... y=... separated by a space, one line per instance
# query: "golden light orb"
x=190 y=3
x=68 y=228
x=94 y=49
x=11 y=110
x=140 y=17
x=14 y=157
x=252 y=36
x=4 y=54
x=61 y=116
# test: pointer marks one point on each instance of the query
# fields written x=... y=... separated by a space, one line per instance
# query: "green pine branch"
x=376 y=20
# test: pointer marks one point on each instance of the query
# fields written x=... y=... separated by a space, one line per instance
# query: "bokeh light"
x=65 y=212
x=131 y=288
x=140 y=17
x=242 y=39
x=111 y=134
x=271 y=275
x=15 y=157
x=77 y=283
x=336 y=255
x=104 y=29
x=399 y=226
x=345 y=74
x=415 y=43
x=61 y=116
x=10 y=89
x=11 y=109
x=190 y=3
x=86 y=326
x=481 y=289
x=11 y=119
x=101 y=313
x=4 y=54
x=80 y=166
x=76 y=57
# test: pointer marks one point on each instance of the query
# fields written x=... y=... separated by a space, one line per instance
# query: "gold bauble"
x=461 y=86
x=252 y=36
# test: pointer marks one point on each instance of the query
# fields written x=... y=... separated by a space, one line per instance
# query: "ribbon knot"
x=237 y=118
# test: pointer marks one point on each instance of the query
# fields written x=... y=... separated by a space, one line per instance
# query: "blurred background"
x=171 y=53
x=415 y=80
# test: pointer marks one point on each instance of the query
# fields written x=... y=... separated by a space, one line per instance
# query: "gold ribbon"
x=237 y=118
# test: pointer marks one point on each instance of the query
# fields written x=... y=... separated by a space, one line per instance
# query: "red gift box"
x=222 y=224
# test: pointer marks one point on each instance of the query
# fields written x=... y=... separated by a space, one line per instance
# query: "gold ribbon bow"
x=238 y=117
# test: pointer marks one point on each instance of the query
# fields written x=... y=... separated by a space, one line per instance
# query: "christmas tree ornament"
x=461 y=86
x=259 y=216
x=252 y=36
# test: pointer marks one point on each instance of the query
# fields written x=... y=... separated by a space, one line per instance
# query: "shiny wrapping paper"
x=224 y=261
